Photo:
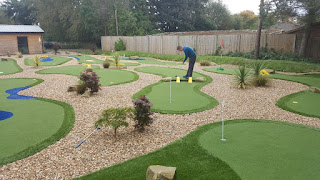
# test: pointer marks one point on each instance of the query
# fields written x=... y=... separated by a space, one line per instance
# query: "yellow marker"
x=178 y=80
x=111 y=82
x=295 y=102
x=190 y=80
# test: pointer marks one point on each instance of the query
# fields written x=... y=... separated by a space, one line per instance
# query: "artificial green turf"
x=191 y=160
x=57 y=60
x=186 y=97
x=306 y=103
x=9 y=67
x=307 y=79
x=108 y=77
x=266 y=149
x=153 y=61
x=30 y=129
x=84 y=58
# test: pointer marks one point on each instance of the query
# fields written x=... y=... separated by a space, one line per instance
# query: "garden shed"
x=27 y=39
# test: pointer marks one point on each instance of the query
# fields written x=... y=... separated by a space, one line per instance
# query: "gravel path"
x=62 y=161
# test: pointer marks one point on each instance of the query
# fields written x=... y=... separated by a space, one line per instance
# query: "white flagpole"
x=222 y=139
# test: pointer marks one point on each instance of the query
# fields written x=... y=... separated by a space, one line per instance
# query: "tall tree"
x=219 y=15
x=261 y=17
x=21 y=12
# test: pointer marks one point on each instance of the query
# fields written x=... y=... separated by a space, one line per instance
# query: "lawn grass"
x=257 y=149
x=9 y=67
x=57 y=60
x=108 y=77
x=30 y=129
x=186 y=97
x=305 y=103
x=153 y=61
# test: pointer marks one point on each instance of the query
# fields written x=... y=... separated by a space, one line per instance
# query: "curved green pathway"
x=9 y=67
x=108 y=77
x=57 y=60
x=257 y=149
x=30 y=129
x=186 y=98
x=305 y=103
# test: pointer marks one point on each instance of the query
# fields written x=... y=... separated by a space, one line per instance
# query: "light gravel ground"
x=62 y=161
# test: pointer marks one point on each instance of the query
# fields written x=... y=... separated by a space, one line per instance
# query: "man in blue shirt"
x=189 y=53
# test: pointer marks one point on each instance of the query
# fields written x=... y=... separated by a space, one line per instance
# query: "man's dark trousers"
x=191 y=65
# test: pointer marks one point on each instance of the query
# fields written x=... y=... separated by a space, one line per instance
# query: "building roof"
x=20 y=29
x=284 y=27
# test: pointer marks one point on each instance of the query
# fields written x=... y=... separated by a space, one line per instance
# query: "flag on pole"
x=222 y=44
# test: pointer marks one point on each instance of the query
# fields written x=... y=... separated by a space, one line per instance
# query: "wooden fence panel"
x=247 y=42
x=142 y=43
x=155 y=44
x=281 y=42
x=169 y=44
x=206 y=45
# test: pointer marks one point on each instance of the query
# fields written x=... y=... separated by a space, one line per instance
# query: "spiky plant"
x=116 y=58
x=36 y=60
x=241 y=76
x=257 y=67
x=20 y=55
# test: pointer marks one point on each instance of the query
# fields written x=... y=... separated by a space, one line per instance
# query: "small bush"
x=20 y=55
x=55 y=48
x=142 y=113
x=241 y=76
x=81 y=88
x=36 y=60
x=116 y=58
x=91 y=81
x=106 y=65
x=115 y=117
x=94 y=49
x=260 y=80
x=205 y=63
x=120 y=45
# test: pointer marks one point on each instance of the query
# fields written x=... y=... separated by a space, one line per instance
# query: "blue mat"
x=75 y=57
x=5 y=115
x=47 y=59
x=14 y=93
x=133 y=59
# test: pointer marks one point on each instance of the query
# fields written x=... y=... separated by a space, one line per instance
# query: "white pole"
x=170 y=90
x=222 y=139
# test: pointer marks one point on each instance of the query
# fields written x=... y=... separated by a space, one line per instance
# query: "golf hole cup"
x=190 y=80
x=178 y=80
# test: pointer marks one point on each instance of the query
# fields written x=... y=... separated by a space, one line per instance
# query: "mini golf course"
x=153 y=61
x=9 y=67
x=52 y=60
x=254 y=149
x=91 y=60
x=305 y=103
x=25 y=127
x=108 y=77
x=186 y=97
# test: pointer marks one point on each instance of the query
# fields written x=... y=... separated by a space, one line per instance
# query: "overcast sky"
x=236 y=6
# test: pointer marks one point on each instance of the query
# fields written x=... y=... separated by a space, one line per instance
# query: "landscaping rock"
x=315 y=90
x=156 y=172
x=200 y=79
x=166 y=79
x=134 y=57
x=72 y=88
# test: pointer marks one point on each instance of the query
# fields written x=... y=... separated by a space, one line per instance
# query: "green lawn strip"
x=57 y=60
x=30 y=129
x=108 y=77
x=259 y=149
x=305 y=103
x=153 y=61
x=278 y=65
x=191 y=160
x=88 y=59
x=124 y=64
x=186 y=97
x=9 y=67
x=307 y=79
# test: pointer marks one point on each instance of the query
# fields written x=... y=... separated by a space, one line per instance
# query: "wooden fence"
x=203 y=44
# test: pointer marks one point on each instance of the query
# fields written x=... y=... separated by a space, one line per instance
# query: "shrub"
x=56 y=47
x=257 y=67
x=116 y=58
x=120 y=45
x=106 y=65
x=142 y=113
x=115 y=117
x=20 y=55
x=260 y=80
x=241 y=76
x=91 y=81
x=36 y=60
x=81 y=88
x=94 y=49
x=205 y=63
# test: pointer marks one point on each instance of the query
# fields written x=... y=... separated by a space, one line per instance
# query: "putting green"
x=266 y=149
x=35 y=124
x=57 y=60
x=9 y=67
x=186 y=97
x=153 y=61
x=91 y=60
x=305 y=103
x=108 y=77
x=307 y=79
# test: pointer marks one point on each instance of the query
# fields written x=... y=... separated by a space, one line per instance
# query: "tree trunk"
x=257 y=48
x=304 y=42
